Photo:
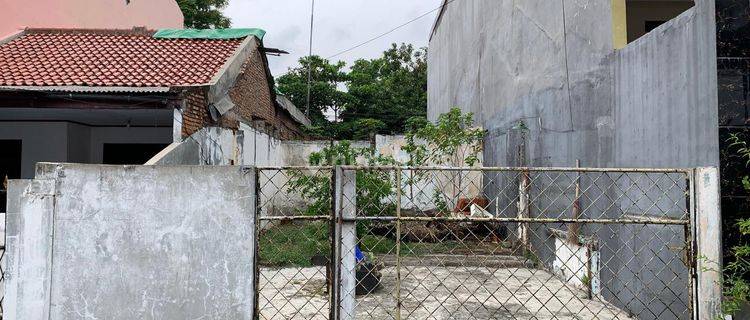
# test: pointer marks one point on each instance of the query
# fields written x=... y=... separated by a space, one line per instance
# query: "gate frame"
x=704 y=245
x=707 y=243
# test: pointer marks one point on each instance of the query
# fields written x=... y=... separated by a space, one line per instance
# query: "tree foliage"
x=452 y=140
x=373 y=186
x=325 y=95
x=376 y=95
x=204 y=14
x=392 y=88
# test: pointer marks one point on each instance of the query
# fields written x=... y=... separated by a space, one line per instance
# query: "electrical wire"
x=390 y=31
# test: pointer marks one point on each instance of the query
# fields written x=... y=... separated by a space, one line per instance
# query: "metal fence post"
x=255 y=191
x=398 y=244
x=523 y=208
x=346 y=234
x=708 y=240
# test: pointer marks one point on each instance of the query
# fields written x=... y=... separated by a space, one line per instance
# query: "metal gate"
x=476 y=243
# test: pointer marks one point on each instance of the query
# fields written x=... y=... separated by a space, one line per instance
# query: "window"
x=10 y=167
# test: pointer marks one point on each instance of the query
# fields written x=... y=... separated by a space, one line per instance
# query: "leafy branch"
x=737 y=272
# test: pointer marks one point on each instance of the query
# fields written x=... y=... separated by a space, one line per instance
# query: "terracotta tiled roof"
x=110 y=58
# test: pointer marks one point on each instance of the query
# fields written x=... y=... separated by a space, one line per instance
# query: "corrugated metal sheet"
x=296 y=114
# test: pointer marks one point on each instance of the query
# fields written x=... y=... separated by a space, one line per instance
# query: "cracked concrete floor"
x=435 y=293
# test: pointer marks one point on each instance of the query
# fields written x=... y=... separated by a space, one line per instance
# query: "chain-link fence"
x=294 y=223
x=474 y=243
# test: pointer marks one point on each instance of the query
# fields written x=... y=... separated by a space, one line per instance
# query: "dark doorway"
x=10 y=167
x=130 y=153
x=651 y=25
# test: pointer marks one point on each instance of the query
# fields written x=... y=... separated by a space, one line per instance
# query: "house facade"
x=123 y=96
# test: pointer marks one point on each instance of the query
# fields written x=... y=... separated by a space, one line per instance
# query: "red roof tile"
x=110 y=58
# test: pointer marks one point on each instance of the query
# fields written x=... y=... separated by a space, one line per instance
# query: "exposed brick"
x=252 y=95
x=195 y=115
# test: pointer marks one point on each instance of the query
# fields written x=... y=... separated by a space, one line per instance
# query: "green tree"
x=376 y=96
x=325 y=94
x=373 y=186
x=452 y=141
x=392 y=88
x=204 y=14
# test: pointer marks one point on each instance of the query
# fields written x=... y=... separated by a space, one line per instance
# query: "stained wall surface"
x=131 y=242
x=544 y=79
x=544 y=76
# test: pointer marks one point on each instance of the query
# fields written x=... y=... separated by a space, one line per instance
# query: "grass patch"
x=294 y=244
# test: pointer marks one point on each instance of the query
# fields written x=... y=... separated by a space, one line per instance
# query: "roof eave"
x=227 y=75
x=12 y=37
x=114 y=89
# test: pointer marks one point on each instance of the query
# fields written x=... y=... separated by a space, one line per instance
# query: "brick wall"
x=251 y=93
x=253 y=101
x=195 y=113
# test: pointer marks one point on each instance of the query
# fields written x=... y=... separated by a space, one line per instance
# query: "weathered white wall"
x=28 y=249
x=221 y=146
x=260 y=149
x=577 y=265
x=131 y=242
x=426 y=184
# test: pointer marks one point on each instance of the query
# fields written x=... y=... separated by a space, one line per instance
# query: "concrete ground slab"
x=436 y=293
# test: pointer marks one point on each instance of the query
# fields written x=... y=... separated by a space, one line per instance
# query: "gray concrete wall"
x=70 y=142
x=650 y=104
x=41 y=141
x=506 y=61
x=131 y=242
x=665 y=105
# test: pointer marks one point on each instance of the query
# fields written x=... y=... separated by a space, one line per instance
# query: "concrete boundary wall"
x=250 y=147
x=131 y=242
x=545 y=80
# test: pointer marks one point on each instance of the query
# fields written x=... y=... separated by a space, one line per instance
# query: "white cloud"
x=339 y=25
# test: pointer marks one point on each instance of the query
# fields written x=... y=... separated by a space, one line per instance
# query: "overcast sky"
x=339 y=25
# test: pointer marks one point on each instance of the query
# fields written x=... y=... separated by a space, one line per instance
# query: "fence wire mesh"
x=294 y=243
x=484 y=243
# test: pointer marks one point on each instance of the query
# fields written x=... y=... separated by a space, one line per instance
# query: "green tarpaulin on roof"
x=209 y=33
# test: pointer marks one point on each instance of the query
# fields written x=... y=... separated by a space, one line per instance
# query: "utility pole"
x=309 y=61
